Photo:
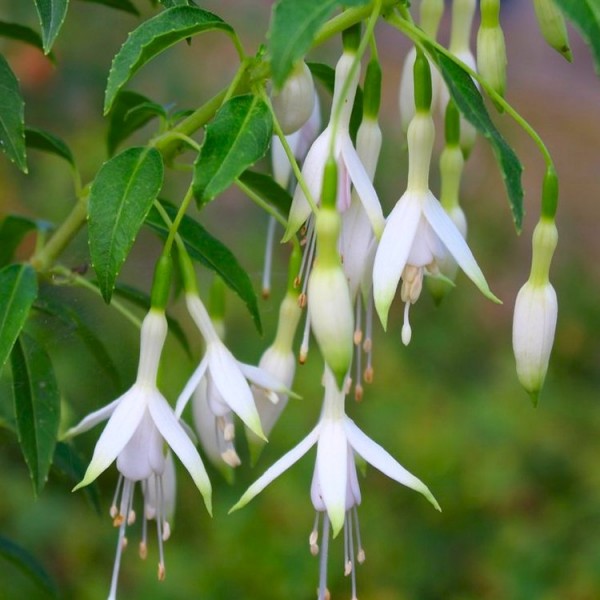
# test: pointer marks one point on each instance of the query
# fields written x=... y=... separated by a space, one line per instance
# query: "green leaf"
x=152 y=37
x=213 y=254
x=130 y=112
x=124 y=5
x=48 y=142
x=172 y=3
x=29 y=565
x=120 y=198
x=585 y=15
x=238 y=136
x=269 y=190
x=37 y=407
x=14 y=31
x=12 y=231
x=470 y=103
x=143 y=300
x=69 y=463
x=69 y=317
x=326 y=75
x=52 y=14
x=293 y=29
x=12 y=119
x=18 y=290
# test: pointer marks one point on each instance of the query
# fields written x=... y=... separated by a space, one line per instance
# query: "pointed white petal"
x=374 y=454
x=232 y=386
x=118 y=431
x=190 y=386
x=92 y=419
x=312 y=172
x=393 y=250
x=364 y=188
x=447 y=231
x=332 y=459
x=284 y=463
x=180 y=443
x=261 y=378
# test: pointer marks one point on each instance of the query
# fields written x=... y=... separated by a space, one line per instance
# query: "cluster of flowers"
x=353 y=260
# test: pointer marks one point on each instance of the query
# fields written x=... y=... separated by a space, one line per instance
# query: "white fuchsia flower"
x=334 y=489
x=536 y=311
x=349 y=166
x=418 y=234
x=227 y=388
x=140 y=422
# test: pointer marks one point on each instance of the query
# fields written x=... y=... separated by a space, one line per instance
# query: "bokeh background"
x=519 y=487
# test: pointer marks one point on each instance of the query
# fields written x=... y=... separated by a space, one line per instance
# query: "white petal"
x=92 y=419
x=447 y=231
x=262 y=379
x=284 y=463
x=180 y=443
x=364 y=188
x=232 y=386
x=393 y=250
x=374 y=454
x=312 y=172
x=118 y=431
x=190 y=386
x=332 y=461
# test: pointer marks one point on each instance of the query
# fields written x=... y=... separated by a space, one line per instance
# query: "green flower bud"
x=552 y=25
x=329 y=303
x=491 y=49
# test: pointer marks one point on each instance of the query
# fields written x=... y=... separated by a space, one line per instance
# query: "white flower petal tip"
x=425 y=491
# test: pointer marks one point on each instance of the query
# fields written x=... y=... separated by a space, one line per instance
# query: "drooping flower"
x=418 y=234
x=350 y=169
x=227 y=389
x=334 y=489
x=139 y=423
x=535 y=314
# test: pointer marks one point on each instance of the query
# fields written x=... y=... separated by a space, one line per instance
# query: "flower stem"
x=419 y=36
x=44 y=258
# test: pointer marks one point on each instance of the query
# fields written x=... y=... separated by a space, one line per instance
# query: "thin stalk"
x=374 y=15
x=290 y=154
x=45 y=257
x=173 y=229
x=419 y=37
x=82 y=282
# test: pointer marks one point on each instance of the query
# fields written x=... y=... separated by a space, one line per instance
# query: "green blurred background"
x=519 y=487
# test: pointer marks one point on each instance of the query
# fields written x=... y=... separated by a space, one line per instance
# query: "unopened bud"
x=552 y=26
x=294 y=103
x=491 y=56
x=535 y=315
x=329 y=304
